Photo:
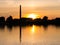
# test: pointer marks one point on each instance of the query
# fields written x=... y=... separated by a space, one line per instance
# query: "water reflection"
x=31 y=35
x=33 y=29
x=39 y=35
x=9 y=37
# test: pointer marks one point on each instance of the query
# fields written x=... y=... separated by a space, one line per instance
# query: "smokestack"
x=20 y=23
x=20 y=11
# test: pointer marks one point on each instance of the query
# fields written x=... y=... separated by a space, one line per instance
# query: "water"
x=9 y=36
x=31 y=35
x=39 y=35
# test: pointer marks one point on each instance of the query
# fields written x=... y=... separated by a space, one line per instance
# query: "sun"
x=33 y=16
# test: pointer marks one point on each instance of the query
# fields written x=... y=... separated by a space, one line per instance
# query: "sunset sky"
x=50 y=8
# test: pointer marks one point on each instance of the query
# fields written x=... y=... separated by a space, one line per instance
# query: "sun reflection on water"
x=33 y=29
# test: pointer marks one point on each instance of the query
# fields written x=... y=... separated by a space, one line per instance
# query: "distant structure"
x=20 y=11
x=20 y=26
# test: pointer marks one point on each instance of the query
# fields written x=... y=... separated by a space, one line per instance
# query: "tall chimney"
x=20 y=23
x=20 y=11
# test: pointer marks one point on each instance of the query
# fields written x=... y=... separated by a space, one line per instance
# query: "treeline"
x=39 y=21
x=9 y=21
x=28 y=21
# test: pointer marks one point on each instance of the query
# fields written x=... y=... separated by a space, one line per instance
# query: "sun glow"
x=33 y=29
x=33 y=16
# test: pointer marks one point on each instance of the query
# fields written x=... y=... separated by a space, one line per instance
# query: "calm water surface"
x=31 y=35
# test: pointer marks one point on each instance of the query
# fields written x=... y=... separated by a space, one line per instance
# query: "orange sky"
x=50 y=8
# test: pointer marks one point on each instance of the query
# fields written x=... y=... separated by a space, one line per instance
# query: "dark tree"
x=2 y=20
x=9 y=20
x=45 y=18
